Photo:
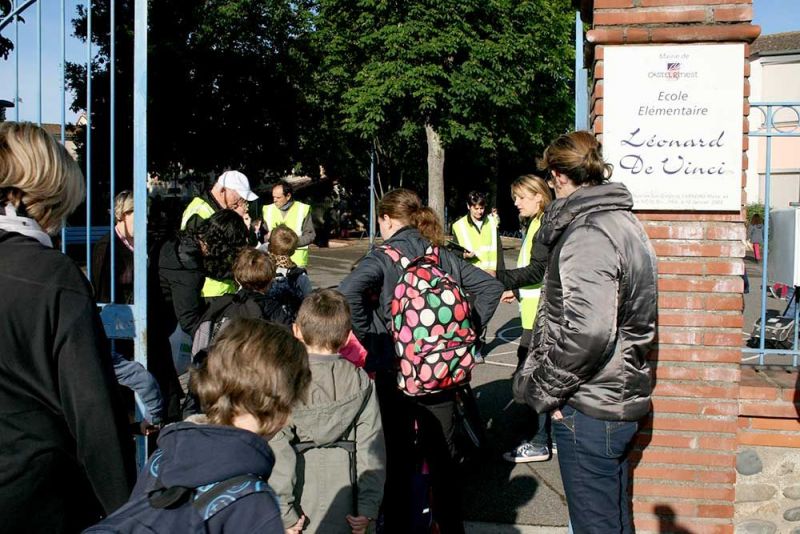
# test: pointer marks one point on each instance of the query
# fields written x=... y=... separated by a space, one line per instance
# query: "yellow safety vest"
x=273 y=216
x=483 y=243
x=529 y=295
x=211 y=287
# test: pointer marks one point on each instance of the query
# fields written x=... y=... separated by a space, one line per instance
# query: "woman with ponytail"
x=410 y=228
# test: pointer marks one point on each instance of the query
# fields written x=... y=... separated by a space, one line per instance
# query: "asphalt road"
x=496 y=493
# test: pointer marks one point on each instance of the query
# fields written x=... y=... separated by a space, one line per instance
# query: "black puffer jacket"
x=377 y=274
x=597 y=314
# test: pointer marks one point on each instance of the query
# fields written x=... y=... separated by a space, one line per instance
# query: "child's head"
x=253 y=368
x=323 y=321
x=282 y=241
x=253 y=270
x=756 y=219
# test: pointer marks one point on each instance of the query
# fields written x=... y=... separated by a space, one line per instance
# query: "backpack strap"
x=211 y=499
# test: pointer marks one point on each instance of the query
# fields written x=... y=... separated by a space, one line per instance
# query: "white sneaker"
x=527 y=452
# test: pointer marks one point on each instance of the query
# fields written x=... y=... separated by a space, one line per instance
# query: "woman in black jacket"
x=410 y=228
x=597 y=323
x=66 y=451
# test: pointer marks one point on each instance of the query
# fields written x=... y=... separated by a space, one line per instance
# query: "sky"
x=774 y=16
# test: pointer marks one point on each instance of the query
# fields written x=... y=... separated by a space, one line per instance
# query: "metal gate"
x=120 y=321
x=773 y=120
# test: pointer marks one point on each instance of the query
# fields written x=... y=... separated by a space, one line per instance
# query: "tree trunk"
x=435 y=172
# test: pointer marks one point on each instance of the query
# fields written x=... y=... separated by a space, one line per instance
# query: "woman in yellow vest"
x=531 y=196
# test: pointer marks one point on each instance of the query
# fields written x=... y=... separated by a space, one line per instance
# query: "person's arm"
x=91 y=405
x=284 y=475
x=308 y=234
x=581 y=344
x=135 y=377
x=485 y=289
x=356 y=287
x=501 y=259
x=531 y=274
x=370 y=457
x=193 y=223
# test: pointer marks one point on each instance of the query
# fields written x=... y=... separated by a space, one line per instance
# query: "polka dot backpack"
x=433 y=334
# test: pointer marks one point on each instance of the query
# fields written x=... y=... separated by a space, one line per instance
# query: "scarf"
x=11 y=222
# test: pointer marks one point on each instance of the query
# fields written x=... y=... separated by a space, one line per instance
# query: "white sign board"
x=672 y=124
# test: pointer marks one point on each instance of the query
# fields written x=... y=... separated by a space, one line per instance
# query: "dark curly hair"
x=224 y=235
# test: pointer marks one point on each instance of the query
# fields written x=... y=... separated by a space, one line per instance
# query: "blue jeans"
x=593 y=458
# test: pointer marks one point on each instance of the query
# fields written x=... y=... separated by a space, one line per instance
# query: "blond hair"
x=578 y=156
x=256 y=368
x=324 y=320
x=282 y=241
x=532 y=184
x=406 y=206
x=253 y=270
x=37 y=172
x=123 y=203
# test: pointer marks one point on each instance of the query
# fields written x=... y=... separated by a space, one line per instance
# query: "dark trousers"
x=593 y=458
x=417 y=428
x=541 y=433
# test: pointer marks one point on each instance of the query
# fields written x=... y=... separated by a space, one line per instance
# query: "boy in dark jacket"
x=341 y=413
x=254 y=374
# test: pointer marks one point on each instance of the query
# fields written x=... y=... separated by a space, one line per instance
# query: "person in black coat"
x=410 y=228
x=66 y=455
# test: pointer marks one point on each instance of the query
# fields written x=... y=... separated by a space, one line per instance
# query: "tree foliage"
x=491 y=77
x=272 y=85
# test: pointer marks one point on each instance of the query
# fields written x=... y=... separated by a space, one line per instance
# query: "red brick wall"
x=684 y=461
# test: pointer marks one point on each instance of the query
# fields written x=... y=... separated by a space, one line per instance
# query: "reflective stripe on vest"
x=529 y=295
x=197 y=206
x=211 y=287
x=483 y=243
x=273 y=216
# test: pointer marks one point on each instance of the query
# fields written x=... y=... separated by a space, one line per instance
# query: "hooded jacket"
x=65 y=452
x=378 y=274
x=342 y=405
x=191 y=455
x=597 y=315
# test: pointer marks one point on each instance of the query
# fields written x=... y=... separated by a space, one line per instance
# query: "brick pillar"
x=685 y=457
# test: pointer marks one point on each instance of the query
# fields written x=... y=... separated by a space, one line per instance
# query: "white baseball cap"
x=238 y=182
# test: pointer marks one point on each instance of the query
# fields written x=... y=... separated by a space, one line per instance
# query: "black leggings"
x=406 y=446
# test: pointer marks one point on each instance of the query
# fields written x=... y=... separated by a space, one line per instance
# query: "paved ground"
x=500 y=497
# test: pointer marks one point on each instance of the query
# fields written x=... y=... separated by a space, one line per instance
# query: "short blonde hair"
x=123 y=203
x=256 y=368
x=38 y=172
x=324 y=319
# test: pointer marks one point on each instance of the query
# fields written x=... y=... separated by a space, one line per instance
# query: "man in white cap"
x=231 y=191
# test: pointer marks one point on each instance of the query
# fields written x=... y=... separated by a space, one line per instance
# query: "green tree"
x=225 y=85
x=491 y=75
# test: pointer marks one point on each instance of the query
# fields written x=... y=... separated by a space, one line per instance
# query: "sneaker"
x=528 y=452
x=553 y=448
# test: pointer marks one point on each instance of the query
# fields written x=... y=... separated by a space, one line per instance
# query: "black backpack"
x=177 y=509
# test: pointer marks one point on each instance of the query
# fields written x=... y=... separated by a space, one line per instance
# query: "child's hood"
x=198 y=454
x=338 y=394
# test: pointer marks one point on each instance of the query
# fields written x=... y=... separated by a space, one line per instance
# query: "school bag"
x=431 y=325
x=177 y=509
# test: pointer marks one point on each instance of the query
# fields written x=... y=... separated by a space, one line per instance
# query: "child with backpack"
x=330 y=466
x=291 y=284
x=418 y=400
x=198 y=478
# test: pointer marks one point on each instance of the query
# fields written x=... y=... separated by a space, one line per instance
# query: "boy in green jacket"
x=330 y=459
